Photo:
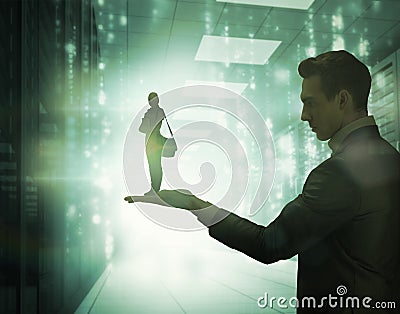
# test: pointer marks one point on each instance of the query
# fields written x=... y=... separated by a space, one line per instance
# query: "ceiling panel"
x=149 y=25
x=352 y=41
x=385 y=45
x=235 y=50
x=293 y=4
x=277 y=33
x=370 y=27
x=383 y=10
x=393 y=33
x=286 y=19
x=188 y=44
x=352 y=8
x=314 y=39
x=317 y=4
x=330 y=23
x=277 y=54
x=183 y=48
x=190 y=28
x=293 y=54
x=149 y=41
x=252 y=16
x=151 y=8
x=244 y=31
x=199 y=12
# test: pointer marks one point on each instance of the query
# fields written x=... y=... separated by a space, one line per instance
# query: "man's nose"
x=305 y=116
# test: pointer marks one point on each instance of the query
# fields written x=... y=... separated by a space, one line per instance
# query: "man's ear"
x=344 y=98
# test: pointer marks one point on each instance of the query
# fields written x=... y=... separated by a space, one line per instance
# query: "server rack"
x=12 y=219
x=50 y=251
x=385 y=98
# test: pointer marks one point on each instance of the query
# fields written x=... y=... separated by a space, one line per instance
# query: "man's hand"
x=172 y=198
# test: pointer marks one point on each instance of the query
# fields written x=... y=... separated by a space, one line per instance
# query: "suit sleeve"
x=329 y=199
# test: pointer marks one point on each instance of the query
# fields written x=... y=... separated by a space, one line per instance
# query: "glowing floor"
x=165 y=271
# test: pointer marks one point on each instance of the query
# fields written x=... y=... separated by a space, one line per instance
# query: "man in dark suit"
x=345 y=225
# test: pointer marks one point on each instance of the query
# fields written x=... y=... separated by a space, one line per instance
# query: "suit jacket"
x=344 y=226
x=151 y=121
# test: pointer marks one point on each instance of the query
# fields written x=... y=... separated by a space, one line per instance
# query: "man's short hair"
x=339 y=70
x=152 y=95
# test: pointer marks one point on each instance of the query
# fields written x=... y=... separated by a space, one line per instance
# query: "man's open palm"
x=172 y=198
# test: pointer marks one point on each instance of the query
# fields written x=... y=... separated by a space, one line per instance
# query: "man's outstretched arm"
x=329 y=199
x=234 y=231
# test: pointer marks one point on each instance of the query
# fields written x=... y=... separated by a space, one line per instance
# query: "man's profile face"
x=153 y=101
x=324 y=116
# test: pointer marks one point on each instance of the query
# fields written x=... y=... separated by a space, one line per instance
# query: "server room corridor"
x=75 y=77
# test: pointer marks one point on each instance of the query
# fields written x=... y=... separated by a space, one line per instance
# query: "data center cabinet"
x=384 y=101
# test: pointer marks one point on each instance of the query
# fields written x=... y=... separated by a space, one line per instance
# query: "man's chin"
x=322 y=137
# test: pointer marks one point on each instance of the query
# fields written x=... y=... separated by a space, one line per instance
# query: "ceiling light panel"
x=236 y=50
x=291 y=4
